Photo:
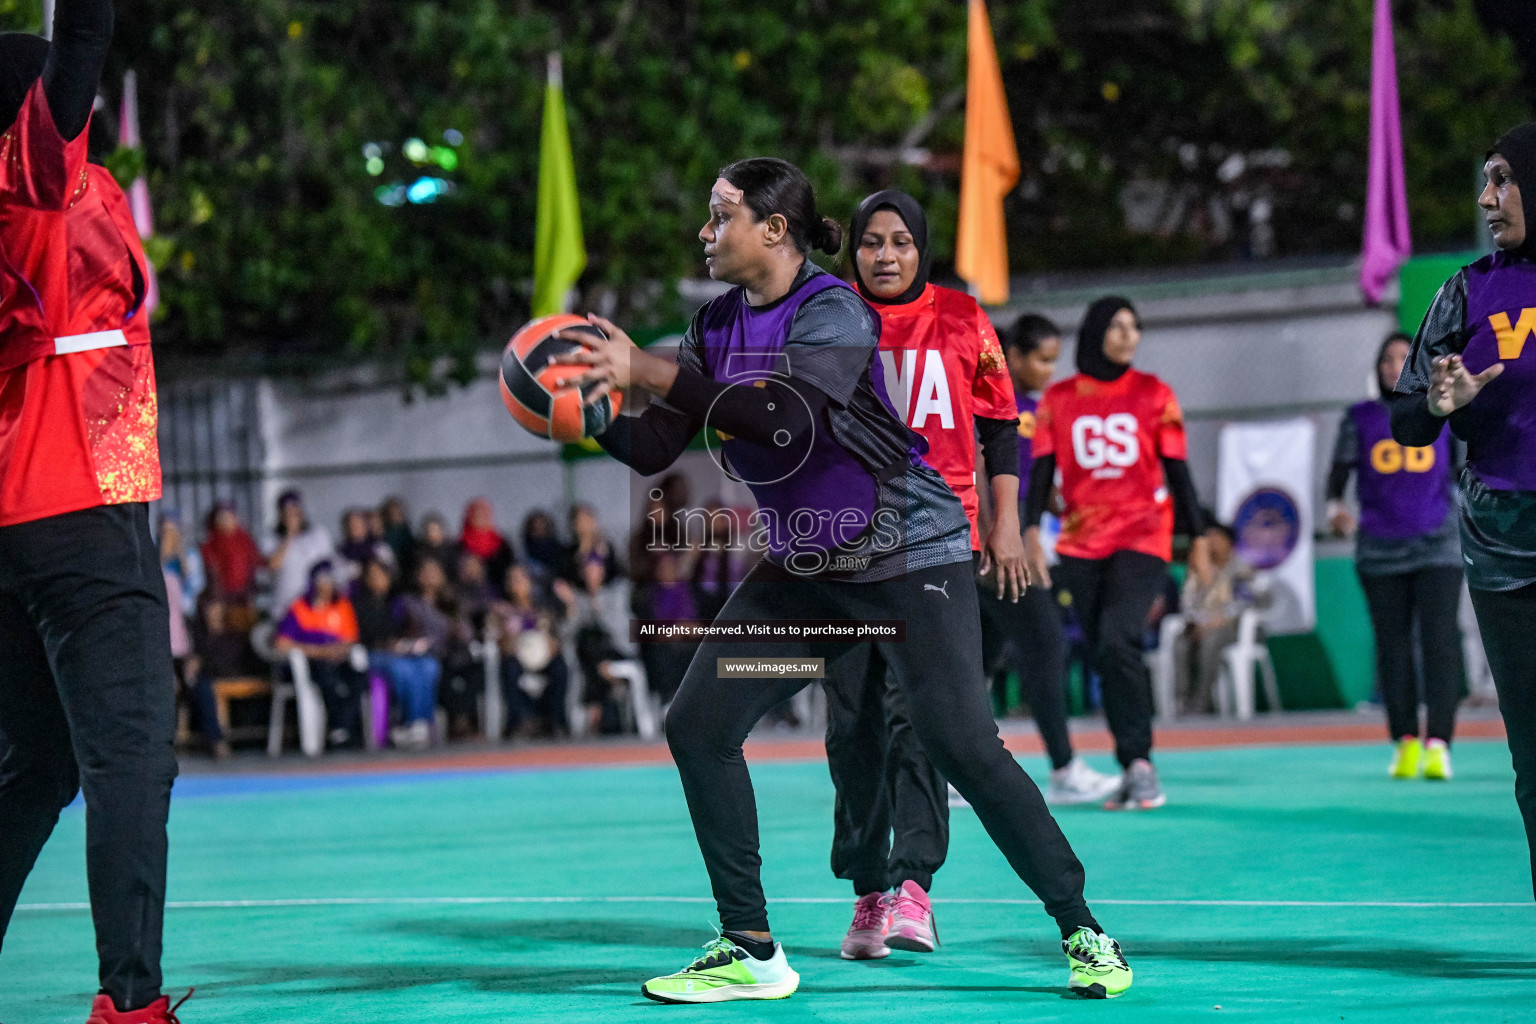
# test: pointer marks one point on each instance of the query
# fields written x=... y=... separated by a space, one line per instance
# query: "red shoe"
x=158 y=1012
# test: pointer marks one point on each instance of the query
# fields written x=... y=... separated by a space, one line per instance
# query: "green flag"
x=559 y=255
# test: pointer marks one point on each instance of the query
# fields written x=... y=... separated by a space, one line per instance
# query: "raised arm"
x=768 y=414
x=82 y=32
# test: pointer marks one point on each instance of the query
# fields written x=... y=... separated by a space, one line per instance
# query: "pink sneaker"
x=866 y=936
x=912 y=927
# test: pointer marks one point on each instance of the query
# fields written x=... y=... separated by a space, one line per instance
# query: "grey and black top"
x=830 y=382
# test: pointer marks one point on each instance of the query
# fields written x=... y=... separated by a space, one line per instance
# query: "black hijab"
x=1518 y=146
x=1091 y=360
x=910 y=211
x=22 y=57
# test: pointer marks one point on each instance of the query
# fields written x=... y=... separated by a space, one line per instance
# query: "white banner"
x=1264 y=490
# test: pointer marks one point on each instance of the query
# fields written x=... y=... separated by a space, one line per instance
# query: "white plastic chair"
x=1162 y=665
x=282 y=690
x=1235 y=683
x=810 y=706
x=311 y=706
x=641 y=707
x=305 y=695
x=575 y=711
x=493 y=709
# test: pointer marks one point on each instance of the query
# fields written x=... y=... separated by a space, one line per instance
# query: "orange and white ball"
x=538 y=392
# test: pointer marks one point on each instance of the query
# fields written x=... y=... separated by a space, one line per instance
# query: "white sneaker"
x=416 y=736
x=1078 y=783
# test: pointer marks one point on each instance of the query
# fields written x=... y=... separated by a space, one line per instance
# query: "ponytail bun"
x=829 y=236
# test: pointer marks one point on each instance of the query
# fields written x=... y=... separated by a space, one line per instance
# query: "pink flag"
x=138 y=192
x=1387 y=242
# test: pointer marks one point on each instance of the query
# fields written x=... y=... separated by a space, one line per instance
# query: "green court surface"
x=1279 y=884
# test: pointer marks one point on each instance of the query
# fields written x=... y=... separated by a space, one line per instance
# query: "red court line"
x=595 y=755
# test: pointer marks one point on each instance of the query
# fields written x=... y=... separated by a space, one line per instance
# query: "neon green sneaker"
x=1099 y=970
x=1437 y=760
x=1405 y=758
x=725 y=972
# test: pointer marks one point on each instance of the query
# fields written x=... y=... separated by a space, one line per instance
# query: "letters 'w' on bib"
x=1512 y=337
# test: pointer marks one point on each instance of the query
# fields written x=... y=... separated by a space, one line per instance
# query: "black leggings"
x=891 y=818
x=1027 y=637
x=937 y=669
x=550 y=702
x=87 y=700
x=1507 y=621
x=341 y=687
x=1112 y=597
x=1430 y=598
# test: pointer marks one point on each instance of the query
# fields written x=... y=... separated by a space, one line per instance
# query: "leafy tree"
x=1152 y=132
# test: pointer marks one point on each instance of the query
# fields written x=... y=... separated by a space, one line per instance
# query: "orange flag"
x=989 y=171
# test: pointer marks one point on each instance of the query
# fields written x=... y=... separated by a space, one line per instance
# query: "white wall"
x=1249 y=353
x=345 y=448
x=1246 y=348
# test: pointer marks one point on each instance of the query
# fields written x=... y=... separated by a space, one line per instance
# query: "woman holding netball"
x=1117 y=436
x=781 y=370
x=1473 y=363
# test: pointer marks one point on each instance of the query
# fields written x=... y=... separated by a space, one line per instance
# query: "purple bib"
x=1026 y=406
x=1501 y=314
x=1404 y=492
x=818 y=498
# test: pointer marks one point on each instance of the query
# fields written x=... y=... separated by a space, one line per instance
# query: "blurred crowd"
x=415 y=604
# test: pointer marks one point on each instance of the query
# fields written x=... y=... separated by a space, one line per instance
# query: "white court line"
x=418 y=901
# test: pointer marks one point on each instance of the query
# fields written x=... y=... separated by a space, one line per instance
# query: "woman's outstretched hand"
x=610 y=360
x=616 y=363
x=1452 y=386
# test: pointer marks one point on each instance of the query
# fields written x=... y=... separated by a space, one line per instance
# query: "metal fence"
x=211 y=447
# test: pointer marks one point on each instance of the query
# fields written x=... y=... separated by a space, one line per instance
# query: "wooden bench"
x=239 y=688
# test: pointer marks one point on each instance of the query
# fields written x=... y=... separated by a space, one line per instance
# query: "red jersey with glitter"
x=1109 y=439
x=77 y=429
x=943 y=366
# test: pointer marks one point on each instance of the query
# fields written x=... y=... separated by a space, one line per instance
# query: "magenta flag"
x=138 y=192
x=1387 y=242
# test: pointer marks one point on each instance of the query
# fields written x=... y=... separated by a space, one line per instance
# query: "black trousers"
x=341 y=687
x=1507 y=621
x=1428 y=598
x=550 y=703
x=891 y=817
x=87 y=701
x=1027 y=637
x=1112 y=597
x=938 y=671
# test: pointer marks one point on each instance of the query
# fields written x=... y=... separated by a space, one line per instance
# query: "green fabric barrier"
x=1334 y=665
x=1420 y=279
